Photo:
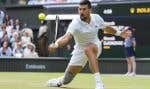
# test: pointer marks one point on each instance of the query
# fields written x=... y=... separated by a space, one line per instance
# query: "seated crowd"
x=15 y=41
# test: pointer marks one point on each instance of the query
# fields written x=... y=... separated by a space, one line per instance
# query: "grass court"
x=37 y=80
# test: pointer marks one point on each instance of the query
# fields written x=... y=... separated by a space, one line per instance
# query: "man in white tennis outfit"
x=84 y=30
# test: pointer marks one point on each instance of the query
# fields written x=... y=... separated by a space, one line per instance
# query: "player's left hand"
x=126 y=32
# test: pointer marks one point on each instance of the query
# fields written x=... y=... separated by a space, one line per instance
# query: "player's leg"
x=91 y=51
x=69 y=75
x=75 y=65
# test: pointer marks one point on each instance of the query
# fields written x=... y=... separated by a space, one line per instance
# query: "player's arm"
x=115 y=31
x=60 y=42
x=63 y=40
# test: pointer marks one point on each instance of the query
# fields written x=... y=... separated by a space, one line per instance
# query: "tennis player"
x=84 y=30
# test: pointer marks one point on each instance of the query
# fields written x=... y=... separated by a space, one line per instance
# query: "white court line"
x=137 y=75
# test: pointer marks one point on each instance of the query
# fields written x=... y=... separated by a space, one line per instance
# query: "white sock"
x=98 y=78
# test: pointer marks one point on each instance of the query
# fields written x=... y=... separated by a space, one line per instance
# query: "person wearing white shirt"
x=84 y=30
x=25 y=39
x=18 y=50
x=2 y=15
x=29 y=51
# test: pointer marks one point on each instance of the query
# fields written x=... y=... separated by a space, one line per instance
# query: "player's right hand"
x=52 y=48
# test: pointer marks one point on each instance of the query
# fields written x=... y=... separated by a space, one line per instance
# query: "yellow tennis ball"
x=41 y=16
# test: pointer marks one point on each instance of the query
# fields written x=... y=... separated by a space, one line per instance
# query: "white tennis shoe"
x=54 y=82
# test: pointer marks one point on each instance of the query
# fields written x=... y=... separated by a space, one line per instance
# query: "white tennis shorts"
x=80 y=59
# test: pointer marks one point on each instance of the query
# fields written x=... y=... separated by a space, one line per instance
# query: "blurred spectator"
x=22 y=2
x=5 y=50
x=6 y=18
x=9 y=28
x=2 y=15
x=3 y=34
x=43 y=29
x=18 y=50
x=27 y=37
x=3 y=27
x=17 y=26
x=14 y=40
x=29 y=51
x=42 y=39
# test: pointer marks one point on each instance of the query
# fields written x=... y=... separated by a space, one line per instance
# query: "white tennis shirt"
x=83 y=32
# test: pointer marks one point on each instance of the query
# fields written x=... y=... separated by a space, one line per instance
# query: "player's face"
x=84 y=12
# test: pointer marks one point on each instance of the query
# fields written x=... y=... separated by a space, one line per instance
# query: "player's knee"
x=87 y=49
x=68 y=77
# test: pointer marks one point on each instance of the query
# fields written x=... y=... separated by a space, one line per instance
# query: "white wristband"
x=56 y=44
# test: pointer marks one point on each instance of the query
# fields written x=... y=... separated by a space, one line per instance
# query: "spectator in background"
x=29 y=51
x=3 y=27
x=18 y=50
x=22 y=2
x=14 y=39
x=5 y=50
x=42 y=39
x=9 y=28
x=27 y=37
x=6 y=18
x=17 y=25
x=3 y=34
x=130 y=45
x=2 y=15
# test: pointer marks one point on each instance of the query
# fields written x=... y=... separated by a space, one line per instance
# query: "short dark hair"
x=85 y=2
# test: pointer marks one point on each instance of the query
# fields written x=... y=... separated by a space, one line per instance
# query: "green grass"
x=36 y=80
